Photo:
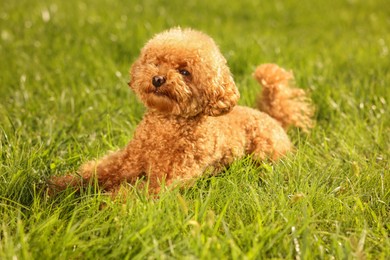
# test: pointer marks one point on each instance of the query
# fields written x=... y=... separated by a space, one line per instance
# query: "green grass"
x=64 y=100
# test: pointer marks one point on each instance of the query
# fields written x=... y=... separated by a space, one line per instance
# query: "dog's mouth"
x=160 y=92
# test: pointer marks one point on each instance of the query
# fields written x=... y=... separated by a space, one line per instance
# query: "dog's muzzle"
x=158 y=81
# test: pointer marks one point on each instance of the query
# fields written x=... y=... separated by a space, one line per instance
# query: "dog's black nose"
x=157 y=81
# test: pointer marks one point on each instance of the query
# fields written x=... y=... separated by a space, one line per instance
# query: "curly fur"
x=290 y=106
x=192 y=123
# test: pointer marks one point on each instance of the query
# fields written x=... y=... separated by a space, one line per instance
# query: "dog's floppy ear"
x=222 y=94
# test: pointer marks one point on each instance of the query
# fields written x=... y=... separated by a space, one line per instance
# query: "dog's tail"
x=289 y=105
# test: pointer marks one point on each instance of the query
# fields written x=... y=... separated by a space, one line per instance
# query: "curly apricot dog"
x=192 y=123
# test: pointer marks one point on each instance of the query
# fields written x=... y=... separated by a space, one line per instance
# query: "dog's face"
x=182 y=72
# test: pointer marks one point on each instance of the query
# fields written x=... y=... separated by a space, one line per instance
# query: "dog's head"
x=182 y=72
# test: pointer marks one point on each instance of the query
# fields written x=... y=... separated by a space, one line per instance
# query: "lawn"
x=64 y=100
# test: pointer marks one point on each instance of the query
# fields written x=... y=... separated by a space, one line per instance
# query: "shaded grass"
x=64 y=100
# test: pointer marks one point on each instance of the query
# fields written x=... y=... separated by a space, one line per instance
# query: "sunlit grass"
x=64 y=100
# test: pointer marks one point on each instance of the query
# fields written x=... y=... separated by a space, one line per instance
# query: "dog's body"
x=192 y=124
x=182 y=149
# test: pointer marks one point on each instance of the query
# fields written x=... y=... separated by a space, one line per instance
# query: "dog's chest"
x=173 y=141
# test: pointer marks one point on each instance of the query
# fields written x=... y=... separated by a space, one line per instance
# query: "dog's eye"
x=184 y=72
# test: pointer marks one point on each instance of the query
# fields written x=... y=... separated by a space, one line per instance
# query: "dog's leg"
x=87 y=173
x=270 y=144
x=108 y=172
x=271 y=151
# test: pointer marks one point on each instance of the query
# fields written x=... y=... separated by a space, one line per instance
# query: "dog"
x=193 y=124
